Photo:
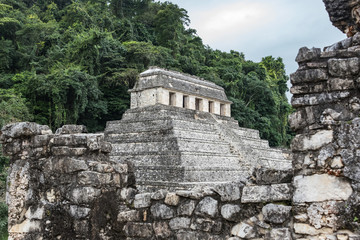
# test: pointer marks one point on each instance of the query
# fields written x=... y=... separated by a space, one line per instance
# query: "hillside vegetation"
x=72 y=62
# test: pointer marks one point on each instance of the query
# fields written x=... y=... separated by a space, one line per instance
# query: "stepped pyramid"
x=179 y=134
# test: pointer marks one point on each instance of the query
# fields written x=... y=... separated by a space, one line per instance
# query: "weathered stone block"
x=316 y=99
x=208 y=207
x=206 y=225
x=302 y=228
x=230 y=212
x=71 y=129
x=162 y=211
x=84 y=194
x=94 y=178
x=314 y=142
x=344 y=67
x=186 y=208
x=272 y=176
x=279 y=234
x=276 y=213
x=310 y=75
x=229 y=191
x=162 y=230
x=243 y=230
x=143 y=230
x=179 y=223
x=172 y=199
x=268 y=193
x=336 y=84
x=320 y=187
x=142 y=200
x=27 y=226
x=79 y=212
x=306 y=54
x=128 y=216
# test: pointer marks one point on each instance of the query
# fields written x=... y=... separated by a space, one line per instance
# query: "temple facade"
x=159 y=86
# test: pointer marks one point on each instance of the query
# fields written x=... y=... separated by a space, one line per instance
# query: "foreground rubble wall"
x=64 y=186
x=61 y=186
x=326 y=147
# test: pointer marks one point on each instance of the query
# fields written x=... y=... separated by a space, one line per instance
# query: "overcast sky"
x=261 y=28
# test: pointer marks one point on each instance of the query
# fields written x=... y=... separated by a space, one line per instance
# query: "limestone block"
x=297 y=120
x=27 y=226
x=302 y=228
x=313 y=142
x=343 y=67
x=84 y=194
x=161 y=211
x=306 y=54
x=320 y=187
x=195 y=193
x=17 y=130
x=267 y=193
x=162 y=230
x=279 y=234
x=230 y=212
x=320 y=98
x=160 y=194
x=127 y=194
x=206 y=225
x=79 y=212
x=336 y=84
x=186 y=208
x=207 y=207
x=143 y=230
x=94 y=178
x=179 y=223
x=272 y=176
x=243 y=230
x=276 y=213
x=229 y=191
x=172 y=199
x=71 y=129
x=35 y=213
x=323 y=214
x=128 y=216
x=310 y=75
x=142 y=200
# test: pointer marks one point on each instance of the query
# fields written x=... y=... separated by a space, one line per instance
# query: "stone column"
x=327 y=143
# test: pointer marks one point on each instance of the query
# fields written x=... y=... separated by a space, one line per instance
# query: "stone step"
x=200 y=146
x=193 y=125
x=277 y=164
x=210 y=160
x=188 y=174
x=149 y=159
x=257 y=143
x=148 y=136
x=245 y=132
x=146 y=147
x=197 y=134
x=138 y=126
x=152 y=186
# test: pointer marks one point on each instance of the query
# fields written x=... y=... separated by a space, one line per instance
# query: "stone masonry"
x=326 y=147
x=65 y=186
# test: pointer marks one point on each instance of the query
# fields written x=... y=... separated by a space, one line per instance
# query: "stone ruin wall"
x=63 y=186
x=326 y=147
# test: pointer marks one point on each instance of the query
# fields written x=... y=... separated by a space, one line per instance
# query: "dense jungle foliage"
x=72 y=62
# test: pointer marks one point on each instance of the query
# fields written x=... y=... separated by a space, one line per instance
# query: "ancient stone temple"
x=178 y=167
x=179 y=133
